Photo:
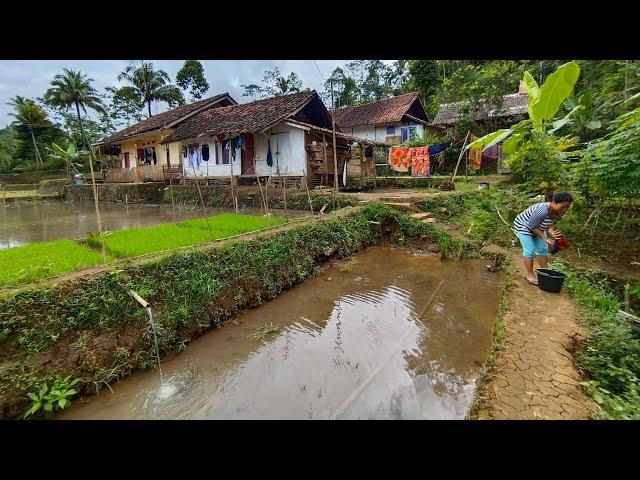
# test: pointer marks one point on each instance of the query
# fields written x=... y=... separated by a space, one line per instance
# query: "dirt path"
x=535 y=376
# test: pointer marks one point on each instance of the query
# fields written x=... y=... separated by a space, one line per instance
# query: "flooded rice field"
x=41 y=221
x=387 y=335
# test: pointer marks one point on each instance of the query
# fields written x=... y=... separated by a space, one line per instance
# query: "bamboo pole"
x=282 y=184
x=4 y=210
x=326 y=162
x=255 y=170
x=335 y=155
x=308 y=194
x=103 y=252
x=204 y=208
x=362 y=166
x=232 y=157
x=460 y=156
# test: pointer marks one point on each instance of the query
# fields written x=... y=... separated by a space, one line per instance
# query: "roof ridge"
x=376 y=101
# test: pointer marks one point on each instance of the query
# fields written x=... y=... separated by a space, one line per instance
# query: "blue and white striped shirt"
x=536 y=216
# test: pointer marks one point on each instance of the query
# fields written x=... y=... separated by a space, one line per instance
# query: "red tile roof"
x=381 y=112
x=242 y=118
x=162 y=119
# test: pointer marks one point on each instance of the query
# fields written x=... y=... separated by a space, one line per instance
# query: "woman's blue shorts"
x=533 y=244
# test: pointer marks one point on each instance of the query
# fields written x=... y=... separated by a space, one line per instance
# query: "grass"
x=143 y=240
x=611 y=354
x=38 y=260
x=18 y=193
x=264 y=331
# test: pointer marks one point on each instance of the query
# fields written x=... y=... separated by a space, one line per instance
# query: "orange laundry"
x=400 y=158
x=420 y=162
x=475 y=154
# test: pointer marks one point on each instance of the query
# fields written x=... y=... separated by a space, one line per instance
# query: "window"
x=184 y=152
x=391 y=130
x=166 y=149
x=205 y=152
x=407 y=133
x=223 y=153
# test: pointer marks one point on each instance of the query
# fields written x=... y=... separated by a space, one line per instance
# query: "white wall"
x=209 y=168
x=290 y=143
x=379 y=133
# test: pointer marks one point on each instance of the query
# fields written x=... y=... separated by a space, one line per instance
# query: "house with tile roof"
x=273 y=138
x=139 y=149
x=391 y=121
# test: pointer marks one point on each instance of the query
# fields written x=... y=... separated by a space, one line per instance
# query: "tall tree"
x=151 y=85
x=374 y=78
x=30 y=116
x=124 y=105
x=342 y=88
x=251 y=90
x=274 y=84
x=72 y=89
x=190 y=78
x=424 y=77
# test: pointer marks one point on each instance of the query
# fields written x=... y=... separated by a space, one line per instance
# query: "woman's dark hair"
x=562 y=197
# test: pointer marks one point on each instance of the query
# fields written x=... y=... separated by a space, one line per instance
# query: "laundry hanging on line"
x=475 y=154
x=420 y=162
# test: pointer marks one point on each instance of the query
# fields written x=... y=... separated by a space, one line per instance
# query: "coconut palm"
x=74 y=89
x=31 y=116
x=150 y=84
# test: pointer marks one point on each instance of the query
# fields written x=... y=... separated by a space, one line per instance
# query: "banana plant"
x=71 y=155
x=544 y=103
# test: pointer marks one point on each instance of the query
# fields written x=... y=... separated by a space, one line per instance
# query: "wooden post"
x=204 y=208
x=308 y=194
x=460 y=157
x=255 y=169
x=335 y=154
x=283 y=185
x=173 y=206
x=103 y=253
x=4 y=210
x=626 y=295
x=326 y=162
x=232 y=156
x=362 y=166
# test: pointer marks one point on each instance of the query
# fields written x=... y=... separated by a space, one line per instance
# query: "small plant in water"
x=54 y=399
x=262 y=332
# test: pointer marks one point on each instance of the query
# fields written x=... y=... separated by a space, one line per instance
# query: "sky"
x=30 y=78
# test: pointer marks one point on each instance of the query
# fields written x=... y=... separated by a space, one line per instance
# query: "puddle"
x=350 y=344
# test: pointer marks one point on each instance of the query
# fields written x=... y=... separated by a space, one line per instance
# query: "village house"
x=513 y=108
x=139 y=150
x=391 y=121
x=281 y=139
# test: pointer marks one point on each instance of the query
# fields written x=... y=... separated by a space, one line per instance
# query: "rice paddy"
x=36 y=261
x=39 y=260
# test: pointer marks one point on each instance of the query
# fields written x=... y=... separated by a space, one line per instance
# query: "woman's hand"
x=556 y=234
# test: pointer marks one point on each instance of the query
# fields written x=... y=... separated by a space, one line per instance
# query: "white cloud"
x=31 y=78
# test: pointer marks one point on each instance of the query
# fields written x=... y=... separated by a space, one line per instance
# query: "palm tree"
x=150 y=84
x=29 y=115
x=73 y=89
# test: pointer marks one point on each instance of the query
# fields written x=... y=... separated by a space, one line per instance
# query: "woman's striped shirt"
x=536 y=216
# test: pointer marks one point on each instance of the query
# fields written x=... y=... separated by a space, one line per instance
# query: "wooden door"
x=246 y=165
x=127 y=160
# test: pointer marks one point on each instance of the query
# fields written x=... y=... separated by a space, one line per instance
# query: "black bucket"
x=550 y=280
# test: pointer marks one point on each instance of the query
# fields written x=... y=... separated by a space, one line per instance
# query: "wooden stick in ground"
x=282 y=184
x=326 y=162
x=103 y=253
x=335 y=156
x=232 y=157
x=460 y=157
x=362 y=166
x=173 y=205
x=4 y=209
x=308 y=194
x=204 y=208
x=264 y=203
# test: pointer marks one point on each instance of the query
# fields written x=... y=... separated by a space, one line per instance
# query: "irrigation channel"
x=385 y=335
x=41 y=221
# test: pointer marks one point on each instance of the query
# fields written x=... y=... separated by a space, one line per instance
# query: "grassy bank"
x=143 y=240
x=39 y=260
x=611 y=354
x=93 y=331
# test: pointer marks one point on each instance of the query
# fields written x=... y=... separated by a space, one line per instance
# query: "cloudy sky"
x=31 y=78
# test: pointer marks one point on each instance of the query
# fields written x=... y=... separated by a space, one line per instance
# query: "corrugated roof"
x=242 y=118
x=382 y=112
x=514 y=104
x=163 y=119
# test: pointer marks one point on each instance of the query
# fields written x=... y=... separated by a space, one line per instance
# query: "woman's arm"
x=554 y=233
x=539 y=233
